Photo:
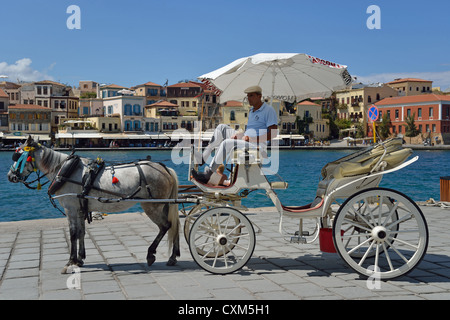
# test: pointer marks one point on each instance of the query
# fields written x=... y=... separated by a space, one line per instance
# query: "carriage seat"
x=368 y=160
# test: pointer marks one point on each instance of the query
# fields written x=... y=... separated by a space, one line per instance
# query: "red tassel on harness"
x=115 y=180
x=29 y=159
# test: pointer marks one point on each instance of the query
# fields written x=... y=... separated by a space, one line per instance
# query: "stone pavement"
x=32 y=254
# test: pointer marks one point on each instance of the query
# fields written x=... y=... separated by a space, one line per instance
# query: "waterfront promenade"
x=32 y=254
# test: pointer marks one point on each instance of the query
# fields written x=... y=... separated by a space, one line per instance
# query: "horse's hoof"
x=64 y=270
x=171 y=262
x=80 y=263
x=150 y=260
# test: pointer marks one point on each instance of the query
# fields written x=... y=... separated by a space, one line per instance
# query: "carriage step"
x=297 y=239
x=304 y=233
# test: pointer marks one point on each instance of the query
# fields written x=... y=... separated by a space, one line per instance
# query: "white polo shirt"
x=260 y=120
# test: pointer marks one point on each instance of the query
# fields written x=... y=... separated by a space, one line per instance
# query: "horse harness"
x=94 y=168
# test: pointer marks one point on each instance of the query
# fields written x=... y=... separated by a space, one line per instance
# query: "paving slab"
x=33 y=253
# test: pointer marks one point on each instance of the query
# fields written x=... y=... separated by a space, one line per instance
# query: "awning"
x=36 y=137
x=290 y=136
x=78 y=135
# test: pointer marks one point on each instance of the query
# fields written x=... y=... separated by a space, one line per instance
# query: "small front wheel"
x=222 y=240
x=380 y=232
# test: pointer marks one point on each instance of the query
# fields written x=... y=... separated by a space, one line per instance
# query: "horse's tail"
x=174 y=218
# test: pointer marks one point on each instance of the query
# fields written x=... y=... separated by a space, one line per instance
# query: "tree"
x=410 y=126
x=384 y=127
x=303 y=125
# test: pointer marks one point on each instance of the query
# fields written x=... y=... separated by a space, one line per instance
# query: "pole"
x=374 y=133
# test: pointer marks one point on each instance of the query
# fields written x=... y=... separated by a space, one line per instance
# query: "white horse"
x=141 y=180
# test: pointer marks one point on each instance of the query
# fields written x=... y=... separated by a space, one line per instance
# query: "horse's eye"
x=16 y=156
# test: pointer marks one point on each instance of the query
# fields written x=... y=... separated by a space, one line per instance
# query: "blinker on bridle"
x=21 y=157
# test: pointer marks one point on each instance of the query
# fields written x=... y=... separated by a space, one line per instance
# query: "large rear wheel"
x=381 y=233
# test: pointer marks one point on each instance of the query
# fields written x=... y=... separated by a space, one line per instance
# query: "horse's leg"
x=152 y=249
x=81 y=234
x=159 y=215
x=175 y=252
x=75 y=231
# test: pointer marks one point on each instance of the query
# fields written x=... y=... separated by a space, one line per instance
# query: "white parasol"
x=284 y=76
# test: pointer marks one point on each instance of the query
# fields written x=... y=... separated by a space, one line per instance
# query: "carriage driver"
x=261 y=127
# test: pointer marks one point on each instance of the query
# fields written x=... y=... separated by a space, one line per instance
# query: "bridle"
x=21 y=157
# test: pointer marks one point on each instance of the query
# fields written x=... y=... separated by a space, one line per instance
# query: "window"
x=39 y=90
x=431 y=112
x=408 y=113
x=137 y=109
x=419 y=112
x=127 y=110
x=137 y=125
x=232 y=116
x=396 y=114
x=128 y=126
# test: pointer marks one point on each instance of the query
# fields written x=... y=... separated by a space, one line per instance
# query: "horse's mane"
x=50 y=159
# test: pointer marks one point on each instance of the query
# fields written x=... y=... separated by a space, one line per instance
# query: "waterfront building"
x=4 y=104
x=26 y=119
x=186 y=96
x=63 y=107
x=354 y=103
x=90 y=107
x=12 y=90
x=411 y=86
x=151 y=91
x=431 y=115
x=88 y=86
x=54 y=95
x=110 y=90
x=128 y=108
x=209 y=108
x=315 y=126
x=235 y=114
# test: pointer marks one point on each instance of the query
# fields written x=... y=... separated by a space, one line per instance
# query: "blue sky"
x=135 y=41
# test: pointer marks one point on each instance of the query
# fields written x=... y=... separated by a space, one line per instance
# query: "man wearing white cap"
x=261 y=127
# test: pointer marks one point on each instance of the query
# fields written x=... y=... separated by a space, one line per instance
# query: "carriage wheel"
x=193 y=214
x=222 y=240
x=380 y=233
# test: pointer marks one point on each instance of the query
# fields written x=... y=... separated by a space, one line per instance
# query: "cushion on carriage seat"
x=363 y=161
x=318 y=202
x=393 y=159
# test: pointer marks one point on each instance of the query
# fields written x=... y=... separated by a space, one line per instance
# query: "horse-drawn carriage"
x=373 y=229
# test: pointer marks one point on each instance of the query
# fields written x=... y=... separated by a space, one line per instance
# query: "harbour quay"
x=33 y=253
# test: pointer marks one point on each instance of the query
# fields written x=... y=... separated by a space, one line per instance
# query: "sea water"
x=299 y=168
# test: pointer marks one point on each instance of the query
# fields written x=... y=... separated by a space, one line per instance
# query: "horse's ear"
x=29 y=140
